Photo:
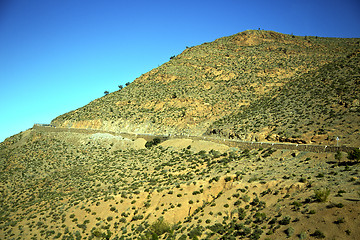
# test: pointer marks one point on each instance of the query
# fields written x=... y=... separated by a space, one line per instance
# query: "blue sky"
x=58 y=55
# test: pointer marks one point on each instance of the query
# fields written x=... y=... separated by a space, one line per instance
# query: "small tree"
x=106 y=92
x=120 y=87
x=338 y=156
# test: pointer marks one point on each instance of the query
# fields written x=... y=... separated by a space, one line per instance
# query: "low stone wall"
x=257 y=145
x=228 y=142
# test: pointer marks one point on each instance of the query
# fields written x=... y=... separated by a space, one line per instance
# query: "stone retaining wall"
x=228 y=142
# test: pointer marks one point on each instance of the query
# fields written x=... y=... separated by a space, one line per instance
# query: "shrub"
x=137 y=217
x=259 y=217
x=320 y=175
x=227 y=179
x=354 y=154
x=256 y=234
x=302 y=235
x=241 y=213
x=285 y=220
x=317 y=234
x=322 y=195
x=338 y=155
x=245 y=198
x=339 y=220
x=289 y=232
x=195 y=232
x=160 y=227
x=237 y=202
x=153 y=142
x=217 y=228
x=97 y=233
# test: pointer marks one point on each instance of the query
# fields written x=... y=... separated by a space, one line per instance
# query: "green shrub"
x=322 y=195
x=227 y=179
x=217 y=228
x=153 y=142
x=137 y=217
x=241 y=213
x=302 y=236
x=237 y=202
x=289 y=232
x=195 y=232
x=259 y=217
x=256 y=234
x=160 y=227
x=285 y=220
x=338 y=155
x=317 y=234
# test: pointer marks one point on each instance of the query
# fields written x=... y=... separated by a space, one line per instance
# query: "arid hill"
x=90 y=178
x=213 y=87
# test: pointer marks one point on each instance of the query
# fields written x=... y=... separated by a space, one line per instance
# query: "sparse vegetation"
x=67 y=183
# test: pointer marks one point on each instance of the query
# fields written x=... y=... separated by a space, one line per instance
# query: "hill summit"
x=254 y=85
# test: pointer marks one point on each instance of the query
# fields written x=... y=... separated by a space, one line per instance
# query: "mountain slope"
x=208 y=82
x=319 y=106
x=58 y=183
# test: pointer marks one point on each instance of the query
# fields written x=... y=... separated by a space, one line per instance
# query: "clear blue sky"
x=58 y=55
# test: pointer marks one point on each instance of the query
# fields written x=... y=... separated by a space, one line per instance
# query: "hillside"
x=315 y=108
x=105 y=173
x=63 y=185
x=206 y=85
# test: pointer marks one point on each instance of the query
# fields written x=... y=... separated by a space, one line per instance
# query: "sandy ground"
x=195 y=146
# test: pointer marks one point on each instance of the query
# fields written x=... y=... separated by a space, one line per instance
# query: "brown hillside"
x=77 y=185
x=97 y=180
x=208 y=82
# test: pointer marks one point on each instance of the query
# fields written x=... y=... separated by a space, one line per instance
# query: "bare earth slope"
x=212 y=81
